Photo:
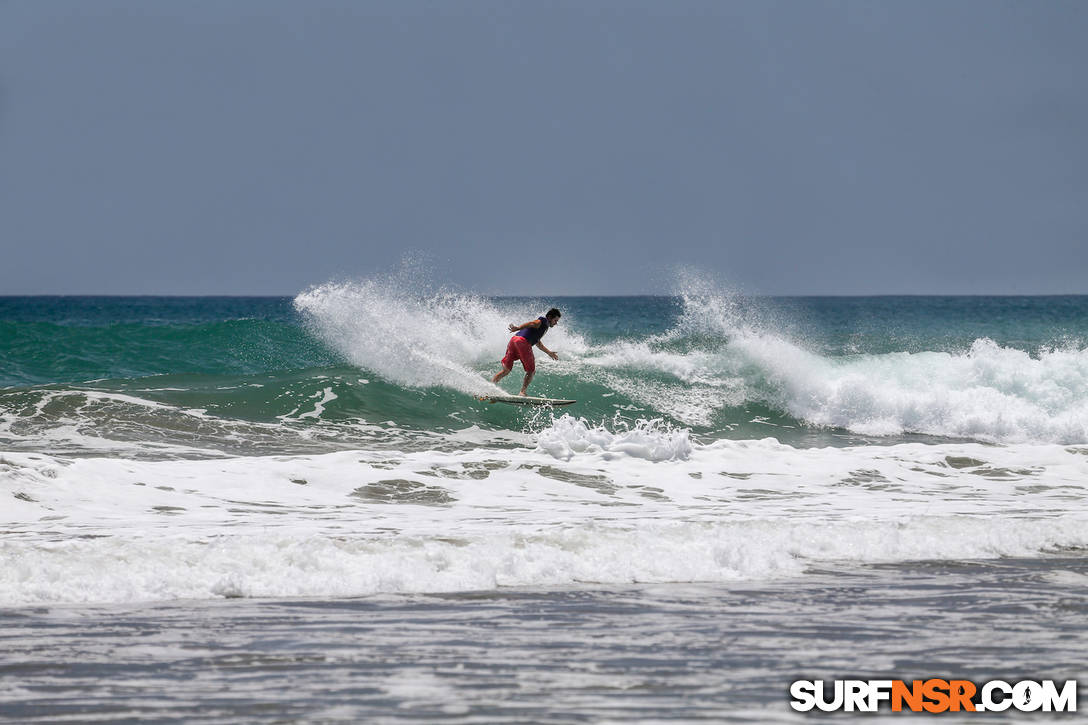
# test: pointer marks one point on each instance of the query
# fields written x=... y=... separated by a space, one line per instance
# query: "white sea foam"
x=651 y=440
x=282 y=564
x=326 y=395
x=584 y=505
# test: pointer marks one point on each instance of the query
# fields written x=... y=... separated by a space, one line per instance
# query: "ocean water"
x=240 y=493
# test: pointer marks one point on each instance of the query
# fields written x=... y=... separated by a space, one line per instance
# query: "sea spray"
x=406 y=339
x=409 y=335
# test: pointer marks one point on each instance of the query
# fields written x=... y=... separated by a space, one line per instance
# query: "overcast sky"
x=261 y=146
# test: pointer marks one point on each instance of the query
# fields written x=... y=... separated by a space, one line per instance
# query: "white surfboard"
x=524 y=400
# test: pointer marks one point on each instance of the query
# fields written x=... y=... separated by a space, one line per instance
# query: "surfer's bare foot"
x=522 y=393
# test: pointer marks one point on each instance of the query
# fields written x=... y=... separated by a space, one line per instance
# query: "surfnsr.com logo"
x=934 y=695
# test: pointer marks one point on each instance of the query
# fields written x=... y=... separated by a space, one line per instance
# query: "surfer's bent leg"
x=508 y=361
x=525 y=352
x=517 y=349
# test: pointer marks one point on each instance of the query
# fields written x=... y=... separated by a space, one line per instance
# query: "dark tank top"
x=533 y=334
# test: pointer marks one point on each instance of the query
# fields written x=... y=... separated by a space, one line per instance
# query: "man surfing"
x=521 y=344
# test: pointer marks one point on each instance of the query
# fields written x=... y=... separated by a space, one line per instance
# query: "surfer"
x=521 y=344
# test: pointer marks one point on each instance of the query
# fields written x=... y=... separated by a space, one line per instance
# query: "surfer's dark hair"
x=554 y=312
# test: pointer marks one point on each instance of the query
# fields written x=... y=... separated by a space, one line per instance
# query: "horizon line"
x=544 y=296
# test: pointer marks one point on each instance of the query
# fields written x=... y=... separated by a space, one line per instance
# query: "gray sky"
x=261 y=146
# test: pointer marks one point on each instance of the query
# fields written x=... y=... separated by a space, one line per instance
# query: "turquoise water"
x=74 y=339
x=807 y=371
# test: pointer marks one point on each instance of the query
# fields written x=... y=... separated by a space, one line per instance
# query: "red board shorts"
x=519 y=349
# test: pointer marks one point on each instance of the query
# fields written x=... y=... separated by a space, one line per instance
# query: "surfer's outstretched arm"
x=552 y=355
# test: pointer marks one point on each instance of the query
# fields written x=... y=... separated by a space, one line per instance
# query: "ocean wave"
x=989 y=392
x=722 y=356
x=124 y=569
x=416 y=337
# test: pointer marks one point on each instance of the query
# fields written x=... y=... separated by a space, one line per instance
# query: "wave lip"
x=989 y=393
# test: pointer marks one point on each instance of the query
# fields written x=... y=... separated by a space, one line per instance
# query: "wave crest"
x=990 y=392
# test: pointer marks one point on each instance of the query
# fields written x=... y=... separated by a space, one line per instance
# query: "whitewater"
x=584 y=506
